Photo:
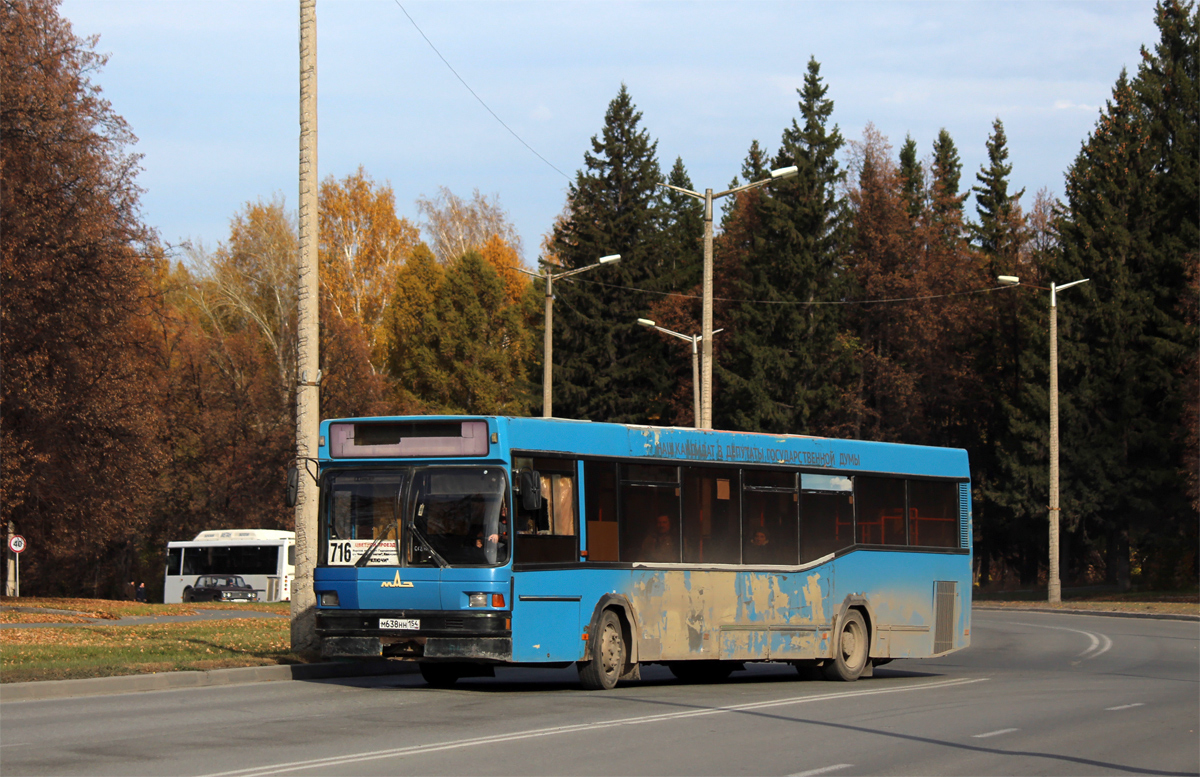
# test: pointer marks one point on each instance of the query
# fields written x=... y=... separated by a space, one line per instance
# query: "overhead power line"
x=477 y=97
x=790 y=302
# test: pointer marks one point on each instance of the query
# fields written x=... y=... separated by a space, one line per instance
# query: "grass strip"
x=109 y=609
x=107 y=651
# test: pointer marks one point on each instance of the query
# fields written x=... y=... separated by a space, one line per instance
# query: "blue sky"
x=211 y=89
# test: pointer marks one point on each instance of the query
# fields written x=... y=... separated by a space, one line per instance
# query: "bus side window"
x=174 y=560
x=933 y=513
x=882 y=513
x=649 y=525
x=711 y=530
x=548 y=534
x=826 y=515
x=600 y=479
x=770 y=521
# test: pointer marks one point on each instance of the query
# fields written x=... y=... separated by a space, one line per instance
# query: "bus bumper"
x=454 y=636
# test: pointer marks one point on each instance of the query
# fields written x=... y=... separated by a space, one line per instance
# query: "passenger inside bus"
x=759 y=550
x=661 y=544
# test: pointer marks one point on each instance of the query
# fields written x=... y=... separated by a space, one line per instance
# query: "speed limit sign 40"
x=16 y=543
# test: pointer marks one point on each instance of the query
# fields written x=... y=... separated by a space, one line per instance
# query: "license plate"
x=402 y=624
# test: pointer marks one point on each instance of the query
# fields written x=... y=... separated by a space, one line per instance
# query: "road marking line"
x=822 y=770
x=316 y=763
x=996 y=733
x=1124 y=707
x=1101 y=643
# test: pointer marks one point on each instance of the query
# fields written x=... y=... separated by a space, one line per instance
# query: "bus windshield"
x=459 y=516
x=455 y=516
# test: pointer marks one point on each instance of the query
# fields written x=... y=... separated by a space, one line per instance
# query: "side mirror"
x=293 y=486
x=531 y=490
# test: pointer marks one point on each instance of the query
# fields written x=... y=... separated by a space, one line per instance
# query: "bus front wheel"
x=187 y=595
x=850 y=653
x=608 y=656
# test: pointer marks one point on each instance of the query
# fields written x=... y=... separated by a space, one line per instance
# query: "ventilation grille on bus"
x=943 y=615
x=964 y=515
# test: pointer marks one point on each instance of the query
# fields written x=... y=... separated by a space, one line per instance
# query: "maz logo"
x=397 y=583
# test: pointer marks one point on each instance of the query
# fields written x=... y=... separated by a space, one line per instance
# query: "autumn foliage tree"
x=363 y=244
x=917 y=378
x=78 y=434
x=457 y=342
x=456 y=226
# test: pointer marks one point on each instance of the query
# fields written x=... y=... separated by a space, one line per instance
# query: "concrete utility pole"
x=308 y=401
x=548 y=329
x=706 y=307
x=1053 y=581
x=693 y=339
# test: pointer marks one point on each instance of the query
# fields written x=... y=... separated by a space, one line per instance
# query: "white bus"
x=265 y=558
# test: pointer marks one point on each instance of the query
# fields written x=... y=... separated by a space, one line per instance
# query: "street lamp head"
x=610 y=258
x=645 y=322
x=1008 y=280
x=784 y=172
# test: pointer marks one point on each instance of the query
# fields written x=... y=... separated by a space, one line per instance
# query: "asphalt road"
x=1036 y=694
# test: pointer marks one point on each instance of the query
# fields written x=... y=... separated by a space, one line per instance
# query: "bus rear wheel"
x=440 y=675
x=701 y=671
x=608 y=656
x=850 y=653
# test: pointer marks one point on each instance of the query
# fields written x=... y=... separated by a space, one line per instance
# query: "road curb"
x=167 y=681
x=1165 y=616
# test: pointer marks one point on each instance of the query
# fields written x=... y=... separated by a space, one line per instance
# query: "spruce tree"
x=1130 y=225
x=1010 y=532
x=785 y=358
x=947 y=173
x=912 y=177
x=606 y=367
x=682 y=233
x=946 y=203
x=995 y=233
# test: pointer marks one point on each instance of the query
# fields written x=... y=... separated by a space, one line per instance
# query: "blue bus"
x=467 y=543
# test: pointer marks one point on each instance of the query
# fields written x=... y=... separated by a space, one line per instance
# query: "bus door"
x=547 y=580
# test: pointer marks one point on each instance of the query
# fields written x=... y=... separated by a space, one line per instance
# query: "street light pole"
x=1053 y=583
x=704 y=420
x=548 y=333
x=693 y=339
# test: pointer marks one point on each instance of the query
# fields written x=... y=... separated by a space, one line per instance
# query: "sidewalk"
x=167 y=681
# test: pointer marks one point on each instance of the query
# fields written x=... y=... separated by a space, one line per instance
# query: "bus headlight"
x=477 y=600
x=329 y=599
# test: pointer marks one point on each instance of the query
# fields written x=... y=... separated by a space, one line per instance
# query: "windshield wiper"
x=395 y=527
x=366 y=556
x=428 y=546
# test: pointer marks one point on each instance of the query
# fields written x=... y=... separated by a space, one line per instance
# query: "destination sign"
x=346 y=553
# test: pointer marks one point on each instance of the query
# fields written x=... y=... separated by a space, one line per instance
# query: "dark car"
x=220 y=588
